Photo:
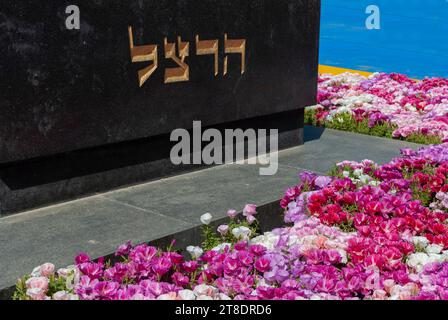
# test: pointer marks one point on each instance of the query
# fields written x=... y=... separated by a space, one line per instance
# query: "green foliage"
x=423 y=139
x=310 y=117
x=213 y=238
x=347 y=226
x=425 y=196
x=345 y=121
x=20 y=292
x=55 y=284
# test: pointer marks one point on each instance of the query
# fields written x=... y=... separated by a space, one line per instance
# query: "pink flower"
x=105 y=290
x=223 y=229
x=232 y=214
x=143 y=253
x=250 y=219
x=124 y=249
x=37 y=283
x=37 y=288
x=36 y=294
x=47 y=269
x=249 y=210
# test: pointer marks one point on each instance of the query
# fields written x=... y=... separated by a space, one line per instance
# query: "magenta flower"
x=82 y=258
x=263 y=265
x=161 y=266
x=179 y=279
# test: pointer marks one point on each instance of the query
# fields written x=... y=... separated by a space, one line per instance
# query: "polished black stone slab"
x=73 y=99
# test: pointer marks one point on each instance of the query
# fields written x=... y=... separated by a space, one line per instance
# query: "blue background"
x=413 y=38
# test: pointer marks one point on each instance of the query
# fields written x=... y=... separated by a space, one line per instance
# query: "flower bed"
x=363 y=232
x=389 y=105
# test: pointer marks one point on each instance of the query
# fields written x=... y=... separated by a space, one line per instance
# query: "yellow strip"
x=336 y=70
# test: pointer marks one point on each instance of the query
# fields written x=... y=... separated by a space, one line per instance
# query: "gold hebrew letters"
x=177 y=52
x=143 y=54
x=181 y=73
x=204 y=47
x=235 y=46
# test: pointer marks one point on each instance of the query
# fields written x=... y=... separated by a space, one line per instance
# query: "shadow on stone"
x=312 y=133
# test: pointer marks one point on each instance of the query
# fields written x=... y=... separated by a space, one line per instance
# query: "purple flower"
x=307 y=177
x=322 y=181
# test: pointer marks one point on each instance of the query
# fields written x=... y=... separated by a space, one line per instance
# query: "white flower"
x=222 y=247
x=358 y=172
x=345 y=174
x=434 y=248
x=206 y=218
x=64 y=295
x=418 y=260
x=222 y=296
x=168 y=296
x=445 y=254
x=202 y=297
x=195 y=252
x=343 y=254
x=364 y=178
x=420 y=242
x=434 y=257
x=268 y=240
x=205 y=290
x=36 y=272
x=242 y=233
x=186 y=295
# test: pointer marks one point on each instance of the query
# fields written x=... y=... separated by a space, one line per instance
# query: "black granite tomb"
x=88 y=109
